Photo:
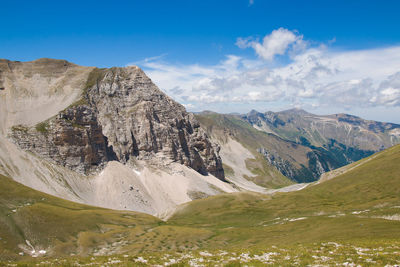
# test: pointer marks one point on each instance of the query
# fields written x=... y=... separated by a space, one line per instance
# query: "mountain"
x=317 y=130
x=240 y=144
x=300 y=162
x=105 y=137
x=120 y=114
x=336 y=140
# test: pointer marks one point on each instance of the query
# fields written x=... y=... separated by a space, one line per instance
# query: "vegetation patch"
x=19 y=128
x=42 y=127
x=197 y=195
x=94 y=77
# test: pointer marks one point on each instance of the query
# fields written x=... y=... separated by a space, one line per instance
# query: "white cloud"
x=251 y=2
x=314 y=77
x=276 y=43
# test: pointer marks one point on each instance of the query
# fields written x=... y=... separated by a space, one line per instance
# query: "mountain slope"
x=296 y=161
x=35 y=91
x=361 y=204
x=239 y=143
x=105 y=137
x=358 y=208
x=38 y=224
x=121 y=114
x=300 y=126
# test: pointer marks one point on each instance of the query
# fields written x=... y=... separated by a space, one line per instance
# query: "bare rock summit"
x=121 y=115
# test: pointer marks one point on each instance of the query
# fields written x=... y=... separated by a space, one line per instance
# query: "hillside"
x=353 y=217
x=35 y=224
x=361 y=204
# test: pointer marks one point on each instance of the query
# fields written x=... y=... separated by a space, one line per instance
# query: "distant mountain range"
x=302 y=145
x=315 y=130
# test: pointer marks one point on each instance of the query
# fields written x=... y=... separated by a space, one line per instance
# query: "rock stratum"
x=88 y=120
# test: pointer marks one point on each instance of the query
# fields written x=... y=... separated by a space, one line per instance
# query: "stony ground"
x=321 y=254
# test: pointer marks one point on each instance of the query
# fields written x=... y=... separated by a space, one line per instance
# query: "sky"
x=228 y=56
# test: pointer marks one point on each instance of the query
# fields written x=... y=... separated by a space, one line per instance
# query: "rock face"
x=73 y=139
x=122 y=116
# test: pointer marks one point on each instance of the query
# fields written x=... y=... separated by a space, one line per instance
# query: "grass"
x=337 y=221
x=47 y=221
x=261 y=169
x=94 y=77
x=42 y=127
x=341 y=209
x=380 y=253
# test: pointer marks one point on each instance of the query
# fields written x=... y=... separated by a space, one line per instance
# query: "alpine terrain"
x=99 y=166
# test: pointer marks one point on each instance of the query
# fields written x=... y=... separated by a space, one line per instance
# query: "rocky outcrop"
x=122 y=116
x=73 y=139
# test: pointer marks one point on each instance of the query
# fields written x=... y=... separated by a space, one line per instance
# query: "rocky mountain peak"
x=123 y=116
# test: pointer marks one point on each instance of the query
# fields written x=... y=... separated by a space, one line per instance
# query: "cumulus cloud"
x=276 y=43
x=314 y=77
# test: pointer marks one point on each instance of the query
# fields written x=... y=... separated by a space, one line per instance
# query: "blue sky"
x=192 y=49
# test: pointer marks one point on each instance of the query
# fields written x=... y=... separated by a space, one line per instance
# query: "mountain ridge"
x=298 y=120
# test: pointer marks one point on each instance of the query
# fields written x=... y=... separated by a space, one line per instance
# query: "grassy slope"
x=66 y=227
x=347 y=209
x=218 y=126
x=342 y=209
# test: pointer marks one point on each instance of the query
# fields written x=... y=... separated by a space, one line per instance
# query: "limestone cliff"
x=122 y=116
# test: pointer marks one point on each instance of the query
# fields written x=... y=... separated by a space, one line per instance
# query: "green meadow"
x=353 y=218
